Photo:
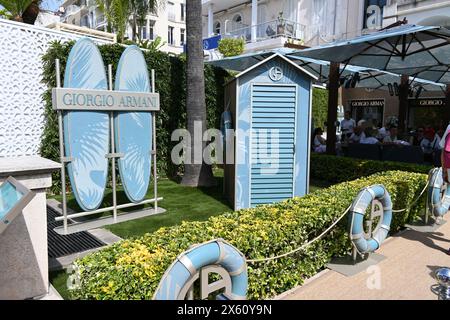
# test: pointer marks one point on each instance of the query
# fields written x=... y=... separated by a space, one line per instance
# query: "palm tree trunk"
x=195 y=174
x=31 y=13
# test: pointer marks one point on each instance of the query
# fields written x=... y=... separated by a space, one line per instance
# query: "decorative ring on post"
x=438 y=194
x=365 y=197
x=179 y=277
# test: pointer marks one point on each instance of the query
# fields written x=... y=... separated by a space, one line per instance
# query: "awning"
x=421 y=51
x=373 y=79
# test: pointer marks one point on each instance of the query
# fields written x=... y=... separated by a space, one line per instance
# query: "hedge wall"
x=170 y=83
x=132 y=269
x=334 y=169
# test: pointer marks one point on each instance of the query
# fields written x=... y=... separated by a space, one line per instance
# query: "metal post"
x=113 y=149
x=61 y=150
x=155 y=179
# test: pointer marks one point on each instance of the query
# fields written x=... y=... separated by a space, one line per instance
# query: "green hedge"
x=170 y=83
x=319 y=107
x=132 y=269
x=334 y=169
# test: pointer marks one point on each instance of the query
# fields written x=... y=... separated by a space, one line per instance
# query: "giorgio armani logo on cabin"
x=276 y=74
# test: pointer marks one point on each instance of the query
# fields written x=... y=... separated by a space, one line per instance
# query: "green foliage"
x=117 y=13
x=132 y=269
x=335 y=169
x=230 y=47
x=15 y=8
x=170 y=83
x=153 y=45
x=319 y=107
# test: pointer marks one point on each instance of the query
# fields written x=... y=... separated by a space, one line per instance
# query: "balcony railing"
x=268 y=30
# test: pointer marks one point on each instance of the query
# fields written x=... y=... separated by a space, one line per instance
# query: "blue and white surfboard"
x=133 y=130
x=86 y=134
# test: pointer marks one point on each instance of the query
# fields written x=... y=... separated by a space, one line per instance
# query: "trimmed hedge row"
x=132 y=269
x=334 y=169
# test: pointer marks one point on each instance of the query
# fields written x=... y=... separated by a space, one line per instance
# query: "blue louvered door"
x=272 y=143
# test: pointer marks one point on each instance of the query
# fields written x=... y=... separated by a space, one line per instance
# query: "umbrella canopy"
x=421 y=51
x=373 y=79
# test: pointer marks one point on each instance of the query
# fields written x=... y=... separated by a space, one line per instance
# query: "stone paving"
x=412 y=257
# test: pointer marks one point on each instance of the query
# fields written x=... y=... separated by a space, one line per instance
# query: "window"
x=170 y=38
x=237 y=18
x=171 y=11
x=144 y=32
x=217 y=28
x=183 y=11
x=151 y=31
x=182 y=37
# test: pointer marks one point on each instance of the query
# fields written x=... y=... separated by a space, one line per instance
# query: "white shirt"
x=348 y=125
x=429 y=146
x=356 y=138
x=317 y=142
x=369 y=140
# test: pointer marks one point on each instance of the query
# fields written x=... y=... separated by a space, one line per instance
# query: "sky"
x=52 y=5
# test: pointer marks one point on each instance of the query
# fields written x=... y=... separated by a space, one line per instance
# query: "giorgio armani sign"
x=427 y=102
x=367 y=103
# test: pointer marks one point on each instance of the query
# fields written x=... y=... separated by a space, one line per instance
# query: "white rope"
x=415 y=201
x=302 y=247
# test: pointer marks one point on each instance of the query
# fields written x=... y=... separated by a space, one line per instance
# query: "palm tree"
x=195 y=174
x=116 y=13
x=18 y=8
x=139 y=9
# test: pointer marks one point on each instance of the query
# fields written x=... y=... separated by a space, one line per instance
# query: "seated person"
x=319 y=143
x=418 y=136
x=357 y=135
x=430 y=144
x=369 y=137
x=391 y=136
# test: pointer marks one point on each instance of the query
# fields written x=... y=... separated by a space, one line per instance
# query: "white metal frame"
x=112 y=155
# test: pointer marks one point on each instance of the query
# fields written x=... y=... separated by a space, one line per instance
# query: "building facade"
x=268 y=24
x=169 y=23
x=428 y=107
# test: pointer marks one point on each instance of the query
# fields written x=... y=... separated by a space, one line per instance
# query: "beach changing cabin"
x=267 y=146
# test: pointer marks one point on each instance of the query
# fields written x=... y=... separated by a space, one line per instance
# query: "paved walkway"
x=406 y=273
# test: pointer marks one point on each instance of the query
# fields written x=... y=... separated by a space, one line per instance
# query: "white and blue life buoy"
x=438 y=193
x=358 y=210
x=189 y=263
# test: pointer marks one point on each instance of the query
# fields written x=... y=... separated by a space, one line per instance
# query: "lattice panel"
x=21 y=89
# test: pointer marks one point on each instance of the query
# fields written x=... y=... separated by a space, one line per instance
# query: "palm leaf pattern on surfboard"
x=133 y=130
x=86 y=134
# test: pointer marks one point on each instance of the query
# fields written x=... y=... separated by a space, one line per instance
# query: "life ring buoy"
x=439 y=203
x=358 y=210
x=189 y=263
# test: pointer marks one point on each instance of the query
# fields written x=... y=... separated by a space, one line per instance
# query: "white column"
x=210 y=20
x=254 y=19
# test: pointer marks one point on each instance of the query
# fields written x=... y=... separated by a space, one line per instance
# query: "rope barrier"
x=415 y=201
x=302 y=247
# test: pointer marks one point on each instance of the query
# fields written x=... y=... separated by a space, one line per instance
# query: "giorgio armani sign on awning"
x=367 y=103
x=427 y=102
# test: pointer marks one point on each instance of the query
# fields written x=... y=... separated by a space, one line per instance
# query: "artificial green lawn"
x=182 y=204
